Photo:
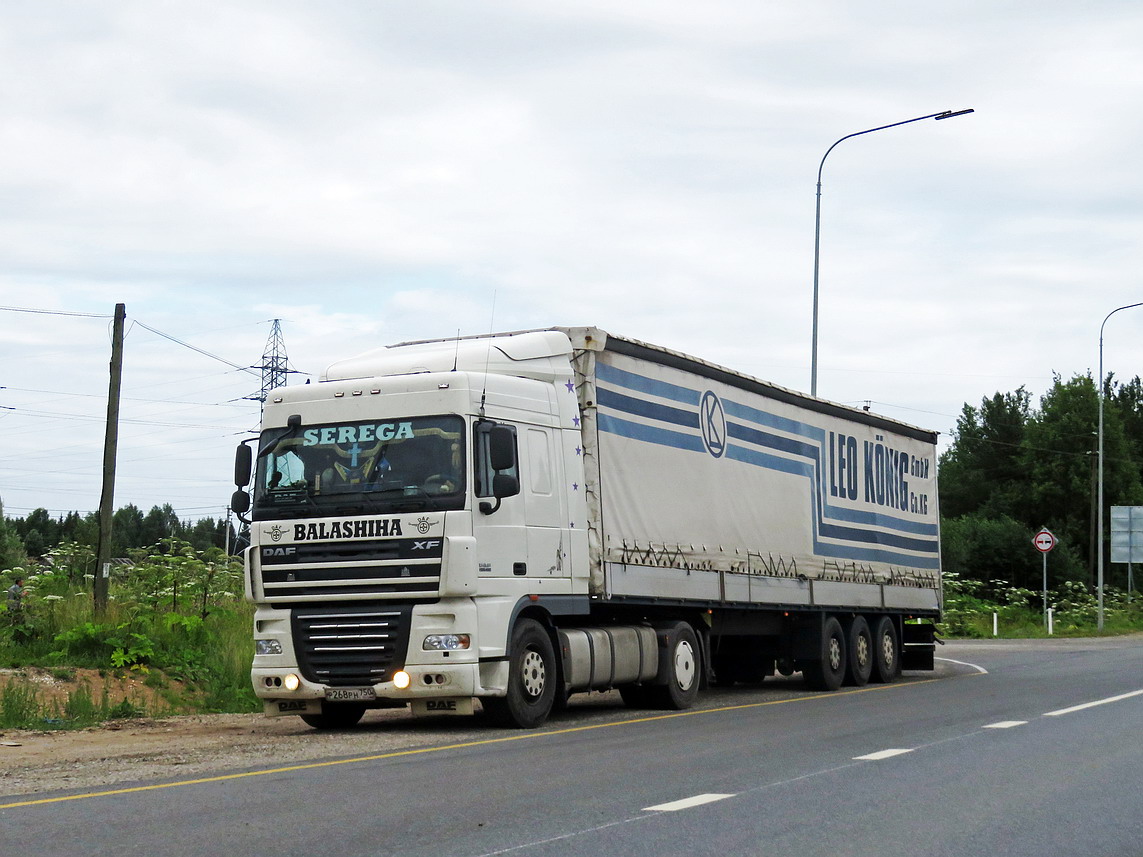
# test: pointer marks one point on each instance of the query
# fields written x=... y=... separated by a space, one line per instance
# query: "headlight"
x=401 y=680
x=291 y=682
x=267 y=647
x=445 y=642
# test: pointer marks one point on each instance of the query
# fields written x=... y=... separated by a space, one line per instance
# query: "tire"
x=337 y=715
x=681 y=669
x=886 y=652
x=859 y=650
x=828 y=671
x=532 y=679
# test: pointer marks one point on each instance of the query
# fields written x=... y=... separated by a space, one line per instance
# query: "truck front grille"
x=322 y=571
x=351 y=645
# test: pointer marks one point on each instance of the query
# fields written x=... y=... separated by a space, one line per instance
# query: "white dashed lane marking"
x=1087 y=705
x=881 y=754
x=686 y=803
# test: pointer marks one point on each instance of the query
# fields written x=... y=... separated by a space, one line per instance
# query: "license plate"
x=350 y=694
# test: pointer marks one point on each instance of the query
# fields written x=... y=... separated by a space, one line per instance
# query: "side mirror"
x=240 y=502
x=502 y=450
x=243 y=460
x=504 y=485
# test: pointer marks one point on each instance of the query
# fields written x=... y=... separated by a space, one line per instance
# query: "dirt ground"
x=176 y=747
x=122 y=753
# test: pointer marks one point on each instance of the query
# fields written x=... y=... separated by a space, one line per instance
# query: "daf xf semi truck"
x=506 y=520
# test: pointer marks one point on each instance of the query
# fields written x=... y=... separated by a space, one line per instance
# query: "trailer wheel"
x=827 y=672
x=342 y=715
x=886 y=659
x=532 y=679
x=859 y=645
x=683 y=671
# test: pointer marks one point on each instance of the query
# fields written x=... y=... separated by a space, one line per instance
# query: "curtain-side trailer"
x=518 y=517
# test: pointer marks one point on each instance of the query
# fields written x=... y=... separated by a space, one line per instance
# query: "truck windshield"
x=412 y=464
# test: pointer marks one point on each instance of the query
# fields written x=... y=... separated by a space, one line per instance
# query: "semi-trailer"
x=518 y=517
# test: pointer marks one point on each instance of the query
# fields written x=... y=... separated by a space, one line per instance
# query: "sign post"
x=1127 y=539
x=1044 y=541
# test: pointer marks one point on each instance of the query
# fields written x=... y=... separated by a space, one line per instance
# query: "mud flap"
x=918 y=645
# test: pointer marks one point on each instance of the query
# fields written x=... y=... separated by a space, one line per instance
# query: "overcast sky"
x=371 y=172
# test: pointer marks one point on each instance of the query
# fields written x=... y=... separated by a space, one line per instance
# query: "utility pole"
x=110 y=445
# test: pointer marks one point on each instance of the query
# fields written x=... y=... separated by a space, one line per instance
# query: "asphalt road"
x=1011 y=748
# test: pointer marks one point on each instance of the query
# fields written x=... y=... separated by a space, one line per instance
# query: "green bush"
x=175 y=612
x=969 y=606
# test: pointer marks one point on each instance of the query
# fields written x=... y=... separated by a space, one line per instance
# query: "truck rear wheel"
x=338 y=715
x=859 y=646
x=532 y=679
x=886 y=659
x=828 y=671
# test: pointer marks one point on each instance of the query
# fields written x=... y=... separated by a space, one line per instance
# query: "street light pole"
x=946 y=114
x=1099 y=490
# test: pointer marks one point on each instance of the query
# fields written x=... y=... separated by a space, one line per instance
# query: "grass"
x=970 y=606
x=23 y=706
x=176 y=620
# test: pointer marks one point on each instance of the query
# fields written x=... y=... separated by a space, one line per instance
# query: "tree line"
x=37 y=534
x=1013 y=468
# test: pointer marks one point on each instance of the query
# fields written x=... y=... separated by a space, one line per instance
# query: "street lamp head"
x=949 y=114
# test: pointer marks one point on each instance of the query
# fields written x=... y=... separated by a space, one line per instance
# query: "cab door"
x=544 y=504
x=499 y=522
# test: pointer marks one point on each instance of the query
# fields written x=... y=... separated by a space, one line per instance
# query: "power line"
x=201 y=351
x=228 y=403
x=55 y=312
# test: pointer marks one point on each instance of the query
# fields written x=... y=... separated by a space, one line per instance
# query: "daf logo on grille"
x=426 y=545
x=283 y=551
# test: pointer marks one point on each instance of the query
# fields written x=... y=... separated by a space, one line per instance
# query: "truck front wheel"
x=532 y=679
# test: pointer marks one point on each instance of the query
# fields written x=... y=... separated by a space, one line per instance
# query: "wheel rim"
x=685 y=665
x=834 y=653
x=888 y=650
x=534 y=673
x=862 y=650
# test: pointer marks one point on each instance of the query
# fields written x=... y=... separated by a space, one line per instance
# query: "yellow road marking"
x=462 y=746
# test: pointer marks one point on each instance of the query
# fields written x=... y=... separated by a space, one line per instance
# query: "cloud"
x=373 y=173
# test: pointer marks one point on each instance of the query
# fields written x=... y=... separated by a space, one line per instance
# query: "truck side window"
x=483 y=471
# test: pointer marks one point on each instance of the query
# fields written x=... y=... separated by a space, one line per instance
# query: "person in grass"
x=16 y=595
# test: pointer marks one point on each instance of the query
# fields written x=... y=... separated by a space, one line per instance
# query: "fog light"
x=446 y=642
x=401 y=680
x=267 y=647
x=291 y=682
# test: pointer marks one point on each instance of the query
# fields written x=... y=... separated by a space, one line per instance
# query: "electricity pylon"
x=275 y=364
